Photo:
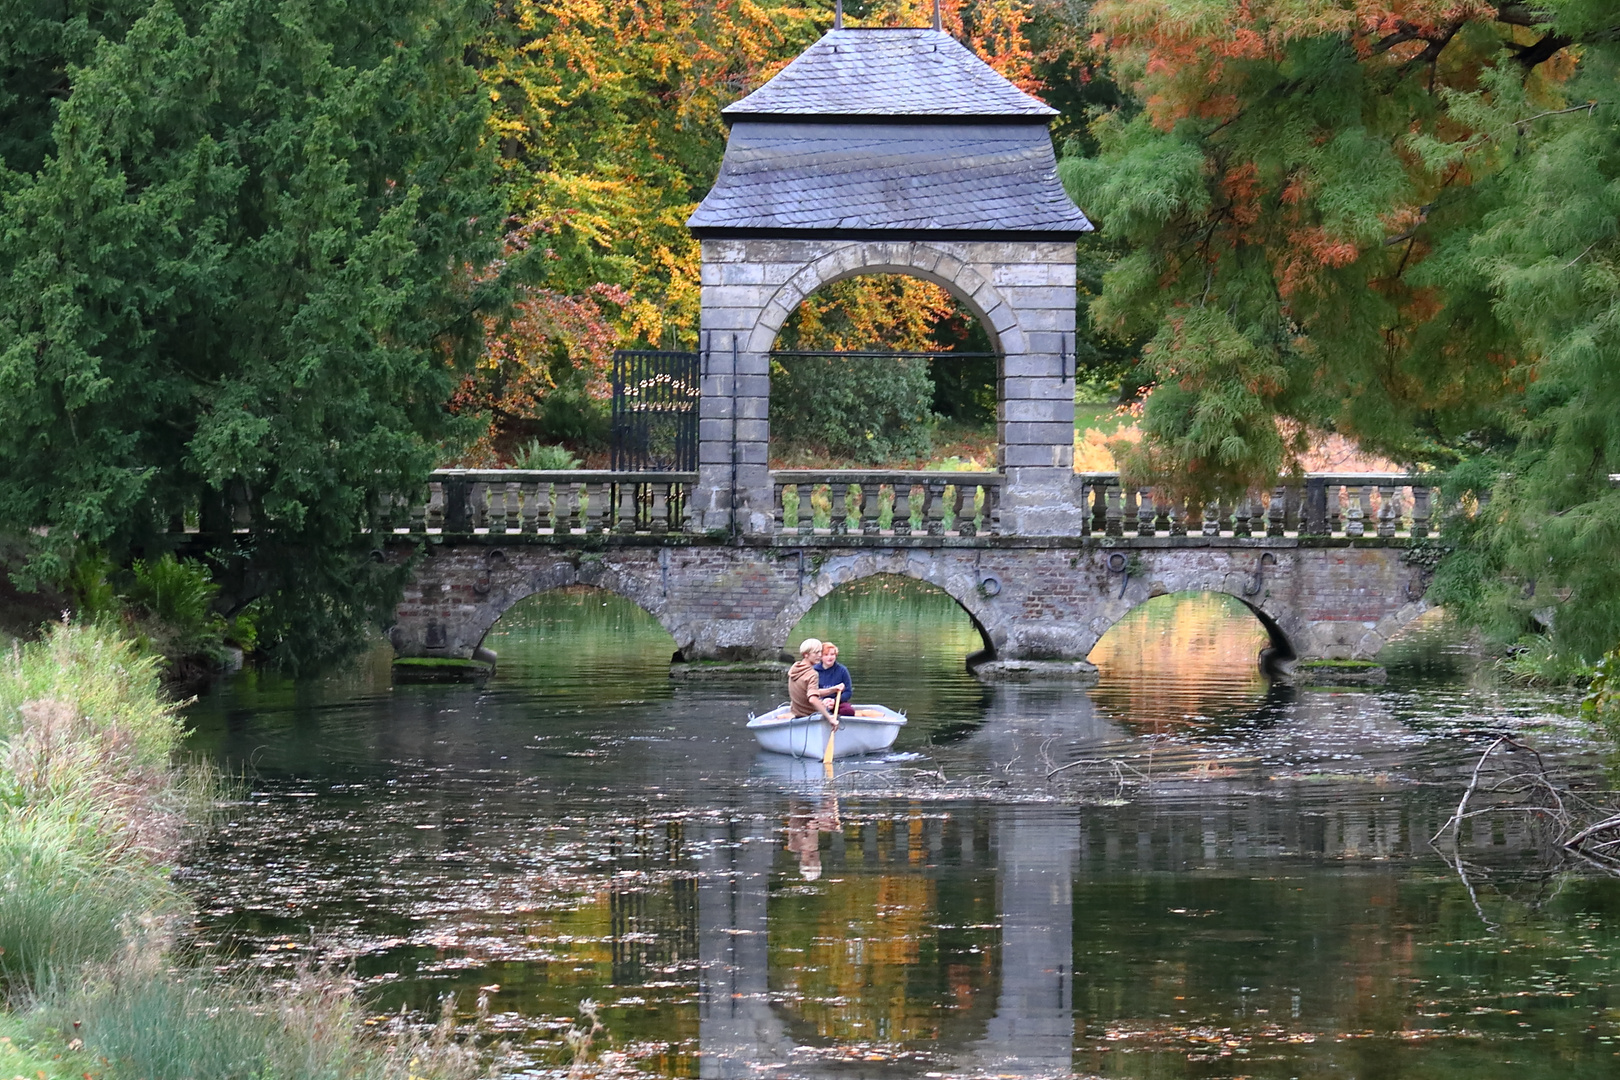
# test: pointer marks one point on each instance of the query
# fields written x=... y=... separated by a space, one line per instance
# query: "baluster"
x=1085 y=507
x=419 y=511
x=804 y=513
x=1420 y=511
x=779 y=493
x=1161 y=511
x=1128 y=509
x=435 y=506
x=967 y=509
x=514 y=507
x=527 y=519
x=495 y=507
x=1241 y=516
x=626 y=498
x=1175 y=517
x=1389 y=509
x=934 y=508
x=1335 y=505
x=1277 y=512
x=542 y=507
x=1099 y=505
x=594 y=509
x=1145 y=511
x=992 y=509
x=900 y=517
x=1212 y=517
x=1113 y=524
x=660 y=509
x=952 y=497
x=1353 y=524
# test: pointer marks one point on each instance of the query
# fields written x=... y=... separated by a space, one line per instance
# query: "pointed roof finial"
x=838 y=14
x=937 y=24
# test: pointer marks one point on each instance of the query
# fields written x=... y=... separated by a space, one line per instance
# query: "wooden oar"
x=826 y=755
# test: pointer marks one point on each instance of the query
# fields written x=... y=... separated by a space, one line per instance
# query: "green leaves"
x=237 y=287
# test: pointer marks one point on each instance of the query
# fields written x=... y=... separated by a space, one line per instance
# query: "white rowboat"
x=872 y=728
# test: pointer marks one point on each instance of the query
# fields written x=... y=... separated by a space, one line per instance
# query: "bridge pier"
x=1040 y=605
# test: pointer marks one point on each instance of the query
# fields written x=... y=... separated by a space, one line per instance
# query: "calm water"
x=1183 y=872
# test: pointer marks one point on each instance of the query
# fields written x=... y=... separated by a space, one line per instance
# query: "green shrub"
x=869 y=410
x=1536 y=661
x=556 y=458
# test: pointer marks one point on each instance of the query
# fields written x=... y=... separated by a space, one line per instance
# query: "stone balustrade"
x=1322 y=504
x=860 y=502
x=854 y=503
x=551 y=503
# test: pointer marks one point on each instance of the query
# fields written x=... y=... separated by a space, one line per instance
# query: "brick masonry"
x=1036 y=601
x=1021 y=289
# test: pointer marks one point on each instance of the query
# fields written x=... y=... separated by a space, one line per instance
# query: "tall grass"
x=90 y=810
x=93 y=815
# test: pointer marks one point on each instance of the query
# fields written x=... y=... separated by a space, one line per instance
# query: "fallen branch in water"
x=1529 y=781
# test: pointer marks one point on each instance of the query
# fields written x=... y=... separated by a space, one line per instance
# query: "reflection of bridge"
x=1032 y=1030
x=1327 y=564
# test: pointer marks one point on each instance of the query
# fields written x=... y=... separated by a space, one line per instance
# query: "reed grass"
x=94 y=812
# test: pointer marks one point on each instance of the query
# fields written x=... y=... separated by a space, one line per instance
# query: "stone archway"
x=889 y=151
x=925 y=261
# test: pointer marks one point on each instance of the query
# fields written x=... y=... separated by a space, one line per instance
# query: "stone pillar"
x=1035 y=413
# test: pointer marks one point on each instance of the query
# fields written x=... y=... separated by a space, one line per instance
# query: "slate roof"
x=968 y=178
x=879 y=73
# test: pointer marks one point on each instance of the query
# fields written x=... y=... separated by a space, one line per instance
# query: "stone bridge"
x=1332 y=569
x=898 y=151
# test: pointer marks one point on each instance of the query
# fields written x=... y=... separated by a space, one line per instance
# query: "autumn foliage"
x=1294 y=187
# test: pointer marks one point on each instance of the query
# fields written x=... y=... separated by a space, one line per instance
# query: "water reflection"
x=1249 y=893
x=1182 y=661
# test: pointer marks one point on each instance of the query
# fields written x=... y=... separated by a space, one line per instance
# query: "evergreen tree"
x=235 y=242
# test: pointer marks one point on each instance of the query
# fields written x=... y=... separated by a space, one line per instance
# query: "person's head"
x=829 y=654
x=810 y=649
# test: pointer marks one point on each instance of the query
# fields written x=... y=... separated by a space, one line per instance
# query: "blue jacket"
x=834 y=675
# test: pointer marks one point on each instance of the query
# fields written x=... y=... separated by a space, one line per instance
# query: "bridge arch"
x=569 y=574
x=1280 y=647
x=846 y=570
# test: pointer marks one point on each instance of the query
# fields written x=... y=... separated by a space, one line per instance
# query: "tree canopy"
x=1388 y=219
x=235 y=237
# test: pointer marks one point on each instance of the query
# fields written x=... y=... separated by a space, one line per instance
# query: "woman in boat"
x=805 y=692
x=832 y=674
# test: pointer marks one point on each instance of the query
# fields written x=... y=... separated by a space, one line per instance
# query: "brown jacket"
x=802 y=679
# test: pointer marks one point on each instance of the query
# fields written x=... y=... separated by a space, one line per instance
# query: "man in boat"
x=805 y=692
x=833 y=674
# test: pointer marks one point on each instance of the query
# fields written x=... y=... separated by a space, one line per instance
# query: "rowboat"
x=872 y=728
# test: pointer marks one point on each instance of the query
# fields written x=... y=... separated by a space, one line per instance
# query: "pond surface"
x=1184 y=872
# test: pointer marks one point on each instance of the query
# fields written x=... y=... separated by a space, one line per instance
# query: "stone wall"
x=1023 y=292
x=1038 y=602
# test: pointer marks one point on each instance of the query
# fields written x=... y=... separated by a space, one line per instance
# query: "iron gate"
x=655 y=411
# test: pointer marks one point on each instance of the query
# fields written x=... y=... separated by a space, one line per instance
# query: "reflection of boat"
x=872 y=728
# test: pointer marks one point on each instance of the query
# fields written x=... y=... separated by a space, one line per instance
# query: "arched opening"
x=581 y=641
x=884 y=370
x=1185 y=660
x=905 y=643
